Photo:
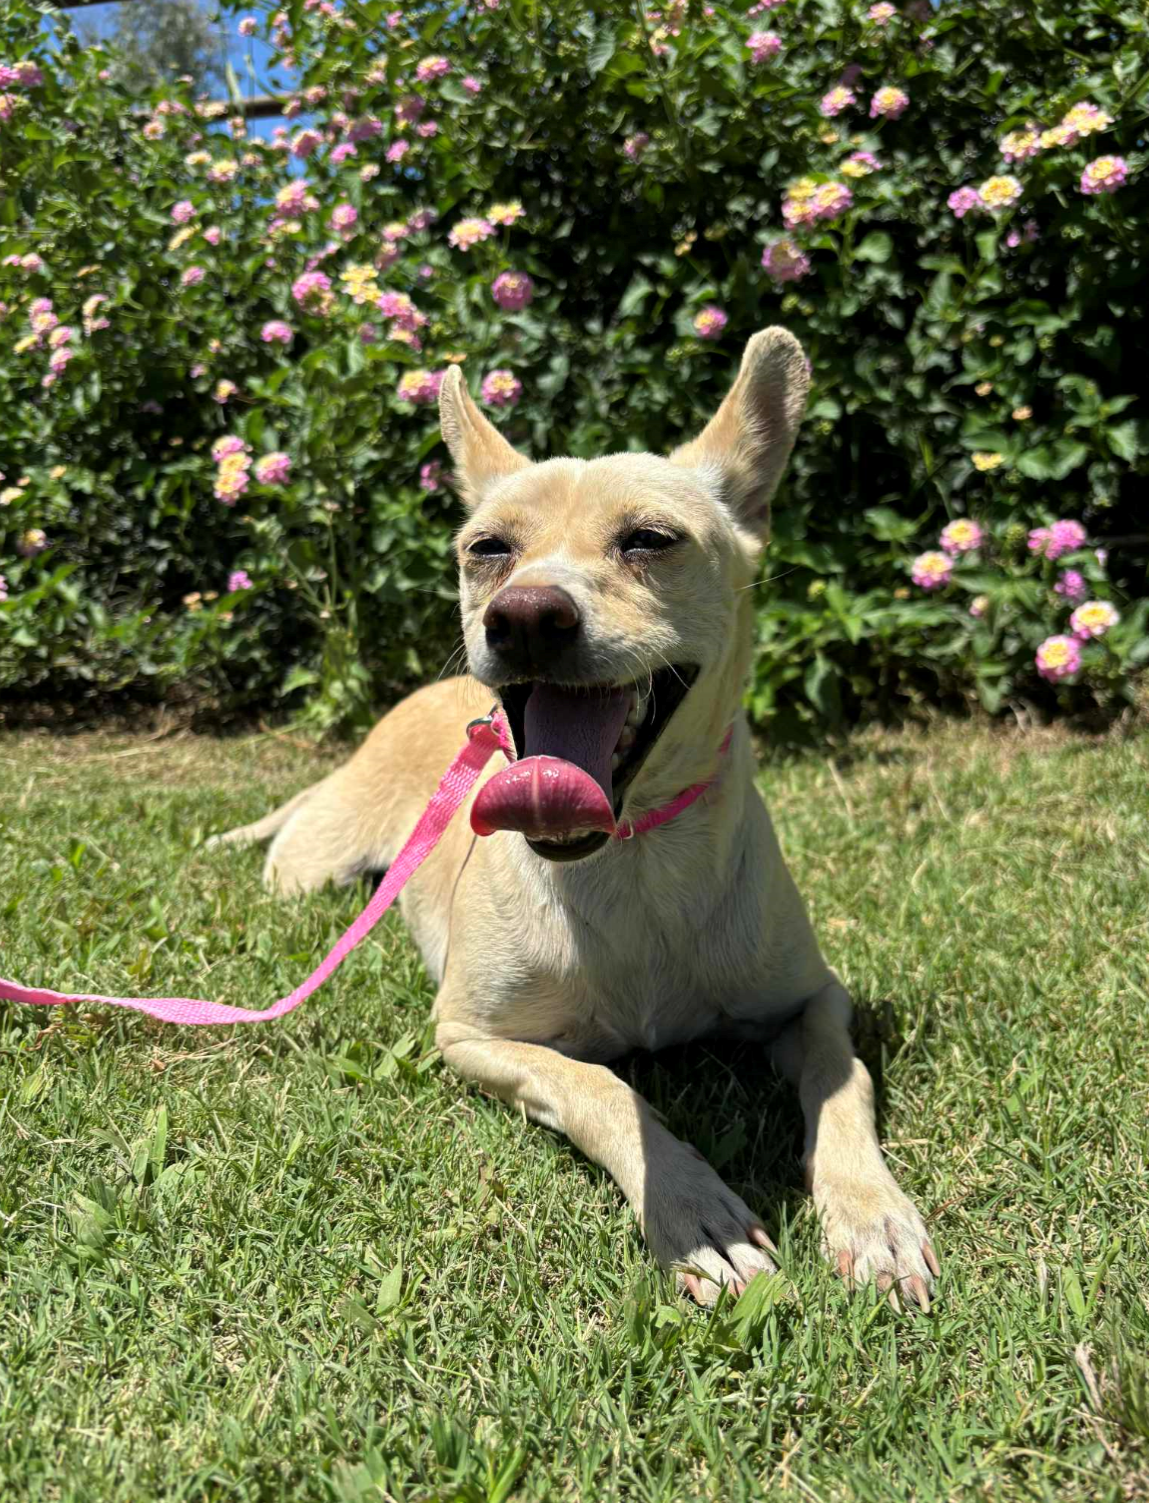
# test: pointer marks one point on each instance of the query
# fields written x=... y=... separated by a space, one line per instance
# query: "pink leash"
x=484 y=737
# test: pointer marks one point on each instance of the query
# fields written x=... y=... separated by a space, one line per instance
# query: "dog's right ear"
x=479 y=451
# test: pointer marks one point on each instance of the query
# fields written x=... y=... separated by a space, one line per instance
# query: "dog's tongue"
x=562 y=782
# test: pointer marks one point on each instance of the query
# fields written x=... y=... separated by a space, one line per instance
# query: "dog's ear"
x=479 y=451
x=744 y=448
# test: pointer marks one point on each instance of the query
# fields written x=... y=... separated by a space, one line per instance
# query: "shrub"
x=592 y=210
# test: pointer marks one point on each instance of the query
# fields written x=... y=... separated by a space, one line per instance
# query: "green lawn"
x=305 y=1262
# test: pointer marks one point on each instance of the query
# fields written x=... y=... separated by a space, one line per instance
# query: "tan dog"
x=606 y=606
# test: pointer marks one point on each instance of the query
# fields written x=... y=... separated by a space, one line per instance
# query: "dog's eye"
x=647 y=540
x=489 y=548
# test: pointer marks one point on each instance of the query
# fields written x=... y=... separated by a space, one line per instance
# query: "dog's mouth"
x=578 y=749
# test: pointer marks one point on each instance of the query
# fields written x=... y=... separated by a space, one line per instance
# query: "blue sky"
x=261 y=79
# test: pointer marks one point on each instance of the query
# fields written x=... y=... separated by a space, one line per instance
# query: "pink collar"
x=484 y=737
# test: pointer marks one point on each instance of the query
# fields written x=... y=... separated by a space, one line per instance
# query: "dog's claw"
x=760 y=1237
x=920 y=1291
x=693 y=1287
x=931 y=1260
x=846 y=1265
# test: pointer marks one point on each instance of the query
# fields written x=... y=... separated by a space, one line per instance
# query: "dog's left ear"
x=744 y=448
x=480 y=452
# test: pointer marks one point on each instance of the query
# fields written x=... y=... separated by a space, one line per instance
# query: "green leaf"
x=821 y=685
x=877 y=247
x=638 y=290
x=1125 y=440
x=601 y=51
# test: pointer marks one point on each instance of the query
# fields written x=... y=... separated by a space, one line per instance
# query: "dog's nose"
x=528 y=624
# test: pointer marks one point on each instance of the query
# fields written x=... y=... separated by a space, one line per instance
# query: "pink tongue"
x=562 y=782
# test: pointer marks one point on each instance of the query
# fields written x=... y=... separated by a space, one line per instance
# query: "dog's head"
x=606 y=601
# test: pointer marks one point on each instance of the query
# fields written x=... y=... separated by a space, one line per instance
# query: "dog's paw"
x=700 y=1230
x=871 y=1231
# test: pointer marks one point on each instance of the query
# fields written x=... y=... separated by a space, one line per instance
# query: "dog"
x=607 y=609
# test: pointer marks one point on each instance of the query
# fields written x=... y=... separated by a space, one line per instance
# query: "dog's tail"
x=269 y=825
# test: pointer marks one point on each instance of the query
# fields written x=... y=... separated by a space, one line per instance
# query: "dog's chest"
x=642 y=960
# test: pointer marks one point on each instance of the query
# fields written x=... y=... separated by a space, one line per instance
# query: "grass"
x=305 y=1262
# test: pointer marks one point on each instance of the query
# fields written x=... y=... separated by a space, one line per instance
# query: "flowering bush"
x=219 y=354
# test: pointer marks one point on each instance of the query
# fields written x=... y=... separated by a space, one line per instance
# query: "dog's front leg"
x=870 y=1230
x=693 y=1223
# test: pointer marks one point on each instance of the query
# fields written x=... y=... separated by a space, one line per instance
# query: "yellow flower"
x=58 y=471
x=828 y=137
x=454 y=357
x=181 y=237
x=984 y=461
x=10 y=494
x=983 y=388
x=1021 y=414
x=29 y=342
x=1060 y=135
x=360 y=284
x=1000 y=192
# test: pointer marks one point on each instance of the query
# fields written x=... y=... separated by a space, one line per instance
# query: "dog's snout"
x=529 y=624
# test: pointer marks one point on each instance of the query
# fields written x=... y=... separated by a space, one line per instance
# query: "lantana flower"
x=961 y=536
x=1093 y=619
x=1104 y=175
x=501 y=389
x=931 y=570
x=710 y=322
x=1058 y=657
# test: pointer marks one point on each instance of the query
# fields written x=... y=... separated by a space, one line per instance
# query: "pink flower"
x=710 y=322
x=192 y=276
x=229 y=444
x=341 y=152
x=183 y=211
x=343 y=217
x=238 y=580
x=246 y=27
x=763 y=44
x=1104 y=175
x=837 y=100
x=432 y=67
x=469 y=232
x=512 y=290
x=420 y=387
x=304 y=142
x=472 y=84
x=29 y=543
x=1072 y=586
x=410 y=108
x=860 y=164
x=213 y=234
x=1058 y=658
x=3 y=589
x=224 y=390
x=507 y=214
x=634 y=146
x=426 y=129
x=963 y=200
x=1020 y=145
x=978 y=606
x=961 y=536
x=881 y=14
x=501 y=389
x=431 y=475
x=312 y=291
x=398 y=150
x=365 y=129
x=931 y=571
x=275 y=331
x=273 y=469
x=1062 y=537
x=784 y=262
x=889 y=103
x=398 y=306
x=1093 y=619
